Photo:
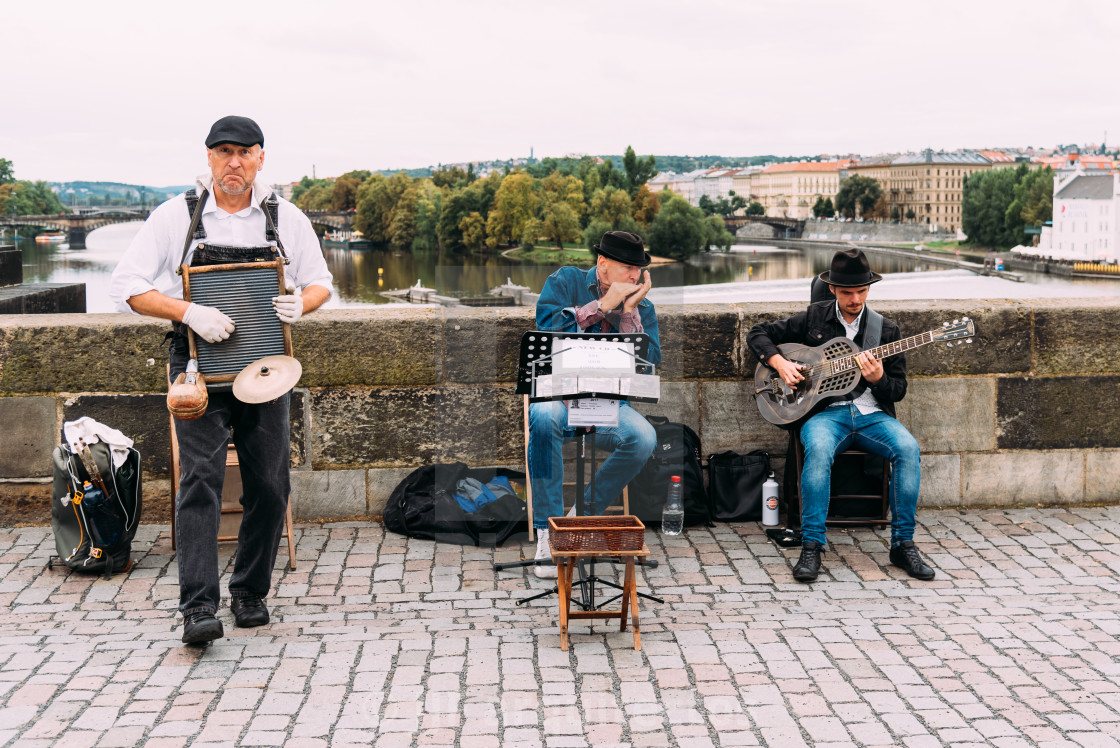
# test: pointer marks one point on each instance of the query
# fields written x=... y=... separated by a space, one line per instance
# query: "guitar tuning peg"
x=944 y=324
x=964 y=319
x=956 y=322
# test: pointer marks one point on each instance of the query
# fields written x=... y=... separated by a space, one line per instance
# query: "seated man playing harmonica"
x=228 y=217
x=609 y=297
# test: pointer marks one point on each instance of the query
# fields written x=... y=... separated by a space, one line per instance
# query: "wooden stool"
x=565 y=566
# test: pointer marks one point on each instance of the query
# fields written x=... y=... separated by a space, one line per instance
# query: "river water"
x=745 y=274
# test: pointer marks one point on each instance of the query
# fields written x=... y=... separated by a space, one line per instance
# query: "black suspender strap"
x=270 y=206
x=195 y=203
x=199 y=231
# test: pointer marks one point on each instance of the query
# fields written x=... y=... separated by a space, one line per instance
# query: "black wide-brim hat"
x=623 y=247
x=850 y=269
x=236 y=131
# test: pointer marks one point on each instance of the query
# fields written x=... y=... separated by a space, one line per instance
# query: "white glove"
x=289 y=308
x=212 y=324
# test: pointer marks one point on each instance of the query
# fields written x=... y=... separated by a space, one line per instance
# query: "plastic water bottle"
x=770 y=502
x=103 y=524
x=672 y=517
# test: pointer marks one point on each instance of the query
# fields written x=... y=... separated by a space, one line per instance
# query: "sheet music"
x=592 y=354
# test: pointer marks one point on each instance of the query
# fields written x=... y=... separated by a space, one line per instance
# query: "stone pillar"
x=77 y=236
x=11 y=265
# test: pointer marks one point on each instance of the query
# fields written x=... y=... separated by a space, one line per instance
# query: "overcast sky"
x=126 y=91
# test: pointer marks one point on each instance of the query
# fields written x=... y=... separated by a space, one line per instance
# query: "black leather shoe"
x=201 y=628
x=249 y=611
x=809 y=563
x=905 y=556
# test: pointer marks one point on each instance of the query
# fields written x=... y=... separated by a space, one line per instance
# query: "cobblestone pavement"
x=382 y=640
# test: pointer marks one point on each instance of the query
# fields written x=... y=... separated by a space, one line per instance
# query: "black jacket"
x=818 y=325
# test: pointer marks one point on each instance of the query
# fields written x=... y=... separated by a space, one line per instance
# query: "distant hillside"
x=113 y=193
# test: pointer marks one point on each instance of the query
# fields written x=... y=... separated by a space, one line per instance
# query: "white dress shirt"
x=866 y=402
x=155 y=253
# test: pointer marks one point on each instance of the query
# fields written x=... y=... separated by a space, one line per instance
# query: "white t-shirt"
x=155 y=253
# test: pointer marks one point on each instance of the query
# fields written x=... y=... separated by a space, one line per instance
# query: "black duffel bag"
x=735 y=485
x=422 y=506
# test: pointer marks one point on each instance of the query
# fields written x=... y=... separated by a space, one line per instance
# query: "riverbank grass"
x=573 y=255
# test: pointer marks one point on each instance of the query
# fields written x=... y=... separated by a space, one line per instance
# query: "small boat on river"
x=346 y=240
x=51 y=237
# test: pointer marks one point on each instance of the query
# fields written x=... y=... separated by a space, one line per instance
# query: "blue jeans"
x=837 y=428
x=260 y=433
x=632 y=442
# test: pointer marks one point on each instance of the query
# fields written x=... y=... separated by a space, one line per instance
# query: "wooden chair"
x=231 y=500
x=851 y=489
x=529 y=483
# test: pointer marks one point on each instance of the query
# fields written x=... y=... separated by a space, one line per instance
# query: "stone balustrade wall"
x=1026 y=414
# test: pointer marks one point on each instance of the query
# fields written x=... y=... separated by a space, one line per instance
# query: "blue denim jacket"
x=570 y=288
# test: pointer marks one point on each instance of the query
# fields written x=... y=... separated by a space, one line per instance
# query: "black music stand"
x=535 y=361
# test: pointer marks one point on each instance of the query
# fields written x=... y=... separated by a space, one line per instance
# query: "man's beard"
x=245 y=187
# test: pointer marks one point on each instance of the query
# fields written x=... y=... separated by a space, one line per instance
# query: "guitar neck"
x=887 y=350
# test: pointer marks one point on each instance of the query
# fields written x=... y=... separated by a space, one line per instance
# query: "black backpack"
x=677 y=453
x=422 y=506
x=93 y=530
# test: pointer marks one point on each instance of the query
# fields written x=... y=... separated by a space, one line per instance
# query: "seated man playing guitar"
x=862 y=417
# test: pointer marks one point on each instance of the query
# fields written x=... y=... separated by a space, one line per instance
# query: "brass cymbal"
x=266 y=379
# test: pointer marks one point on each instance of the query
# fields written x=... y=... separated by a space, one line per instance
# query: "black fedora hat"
x=850 y=269
x=623 y=247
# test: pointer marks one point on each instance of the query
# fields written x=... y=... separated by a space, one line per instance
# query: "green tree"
x=1034 y=197
x=7 y=173
x=644 y=206
x=515 y=203
x=680 y=230
x=910 y=215
x=707 y=205
x=756 y=209
x=638 y=170
x=729 y=204
x=896 y=214
x=860 y=191
x=453 y=176
x=985 y=208
x=610 y=176
x=429 y=206
x=458 y=203
x=561 y=208
x=818 y=207
x=304 y=186
x=610 y=204
x=473 y=229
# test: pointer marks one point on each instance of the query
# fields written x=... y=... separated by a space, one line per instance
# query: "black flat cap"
x=235 y=130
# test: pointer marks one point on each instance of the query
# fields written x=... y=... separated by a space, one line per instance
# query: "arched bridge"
x=77 y=225
x=784 y=228
x=329 y=219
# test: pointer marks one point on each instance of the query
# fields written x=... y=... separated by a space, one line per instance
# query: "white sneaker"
x=544 y=552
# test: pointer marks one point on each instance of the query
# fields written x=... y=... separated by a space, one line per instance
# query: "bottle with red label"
x=770 y=502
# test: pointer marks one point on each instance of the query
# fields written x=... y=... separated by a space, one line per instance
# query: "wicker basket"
x=623 y=532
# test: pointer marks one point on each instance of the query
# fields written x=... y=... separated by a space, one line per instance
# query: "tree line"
x=557 y=201
x=996 y=205
x=22 y=198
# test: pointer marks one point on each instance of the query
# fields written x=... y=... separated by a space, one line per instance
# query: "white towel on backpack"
x=91 y=432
